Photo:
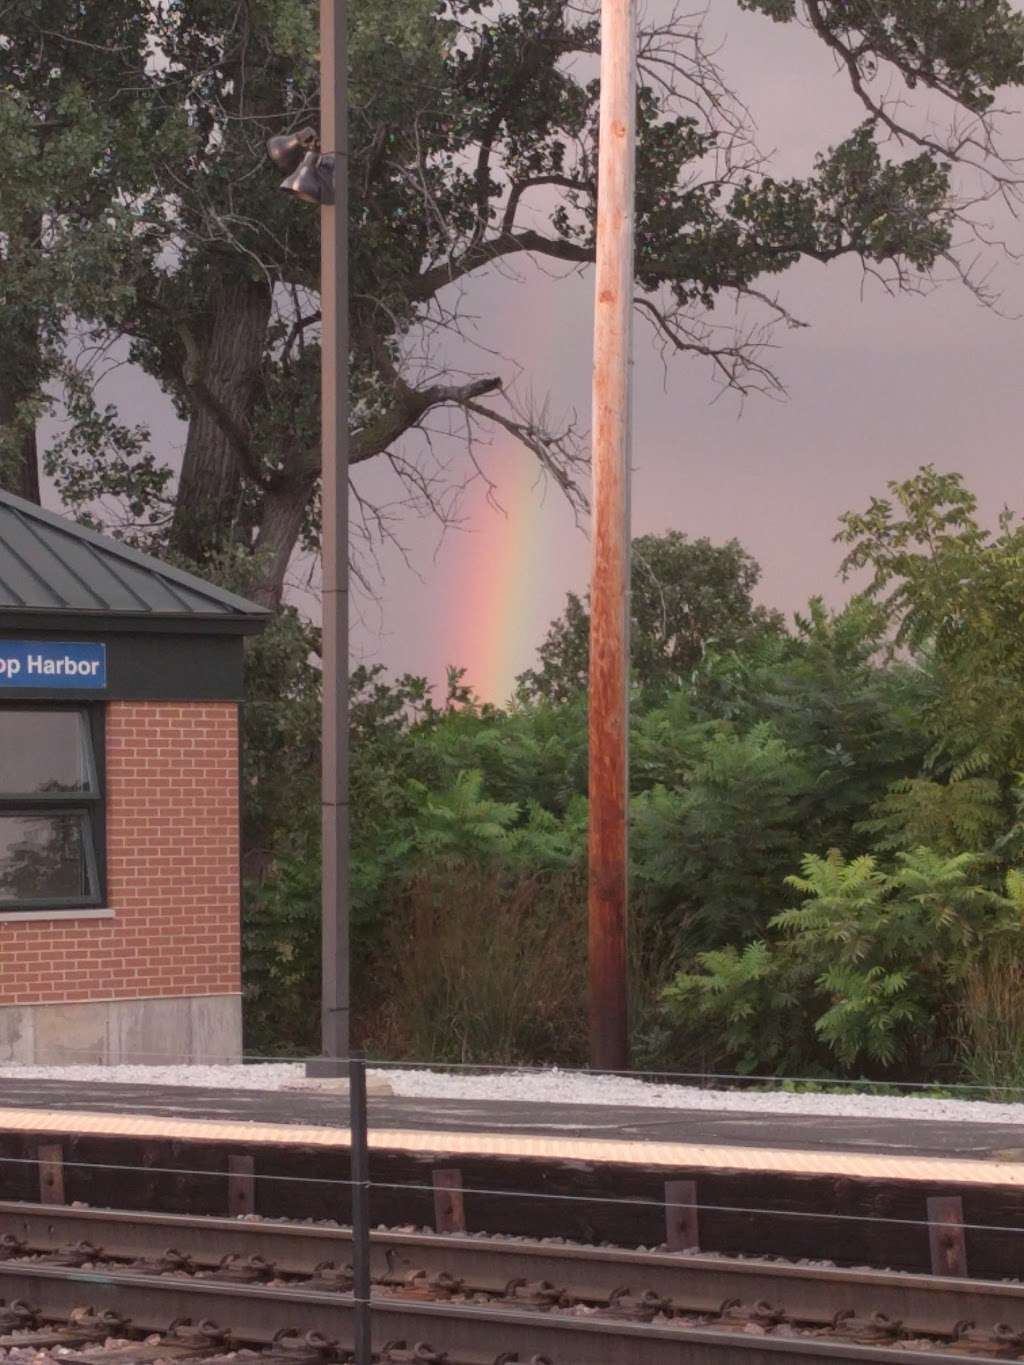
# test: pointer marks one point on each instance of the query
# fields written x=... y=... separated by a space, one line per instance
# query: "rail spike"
x=1001 y=1342
x=107 y=1322
x=290 y=1341
x=874 y=1327
x=11 y=1246
x=19 y=1315
x=206 y=1331
x=421 y=1353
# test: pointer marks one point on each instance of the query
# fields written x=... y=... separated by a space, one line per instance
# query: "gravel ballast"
x=550 y=1086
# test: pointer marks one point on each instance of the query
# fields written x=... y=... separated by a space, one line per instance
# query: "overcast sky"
x=877 y=386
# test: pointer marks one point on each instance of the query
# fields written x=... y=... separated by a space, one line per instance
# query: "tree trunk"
x=20 y=474
x=284 y=508
x=19 y=446
x=222 y=373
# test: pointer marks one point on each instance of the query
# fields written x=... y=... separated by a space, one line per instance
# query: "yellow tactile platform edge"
x=863 y=1165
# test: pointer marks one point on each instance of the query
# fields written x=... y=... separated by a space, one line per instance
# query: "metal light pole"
x=609 y=590
x=320 y=176
x=335 y=998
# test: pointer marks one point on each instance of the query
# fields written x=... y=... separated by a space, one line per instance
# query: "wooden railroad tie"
x=946 y=1239
x=449 y=1207
x=241 y=1185
x=682 y=1225
x=50 y=1156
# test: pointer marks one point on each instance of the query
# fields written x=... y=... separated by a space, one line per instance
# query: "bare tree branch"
x=408 y=409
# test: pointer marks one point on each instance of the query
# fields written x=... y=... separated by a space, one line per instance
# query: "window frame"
x=91 y=804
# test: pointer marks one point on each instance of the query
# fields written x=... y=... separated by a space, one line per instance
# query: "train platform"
x=797 y=1184
x=907 y=1149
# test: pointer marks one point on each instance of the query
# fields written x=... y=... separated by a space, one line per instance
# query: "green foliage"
x=710 y=856
x=138 y=206
x=835 y=696
x=856 y=202
x=281 y=957
x=887 y=948
x=741 y=1011
x=281 y=737
x=871 y=967
x=667 y=742
x=529 y=753
x=961 y=50
x=949 y=585
x=469 y=843
x=416 y=817
x=785 y=742
x=79 y=138
x=949 y=816
x=98 y=457
x=686 y=597
x=459 y=826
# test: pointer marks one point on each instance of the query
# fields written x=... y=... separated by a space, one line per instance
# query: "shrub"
x=711 y=856
x=281 y=960
x=744 y=1010
x=872 y=967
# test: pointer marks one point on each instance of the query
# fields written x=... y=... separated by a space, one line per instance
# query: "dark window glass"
x=45 y=857
x=44 y=752
x=51 y=808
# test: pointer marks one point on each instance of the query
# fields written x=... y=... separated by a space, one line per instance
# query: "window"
x=51 y=807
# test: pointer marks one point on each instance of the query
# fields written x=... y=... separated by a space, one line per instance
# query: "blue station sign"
x=45 y=664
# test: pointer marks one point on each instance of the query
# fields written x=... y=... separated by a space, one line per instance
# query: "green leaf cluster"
x=139 y=212
x=866 y=973
x=838 y=746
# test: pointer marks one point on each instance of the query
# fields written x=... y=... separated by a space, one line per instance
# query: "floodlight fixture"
x=287 y=150
x=313 y=179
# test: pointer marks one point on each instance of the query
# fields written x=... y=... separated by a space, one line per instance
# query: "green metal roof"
x=53 y=568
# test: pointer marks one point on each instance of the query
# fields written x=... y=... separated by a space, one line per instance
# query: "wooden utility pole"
x=334 y=543
x=609 y=586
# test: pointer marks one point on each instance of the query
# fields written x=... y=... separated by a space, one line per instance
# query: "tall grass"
x=991 y=1040
x=480 y=969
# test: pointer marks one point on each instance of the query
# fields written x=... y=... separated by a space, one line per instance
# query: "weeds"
x=486 y=970
x=992 y=1026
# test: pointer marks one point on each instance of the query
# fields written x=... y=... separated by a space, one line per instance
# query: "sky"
x=876 y=387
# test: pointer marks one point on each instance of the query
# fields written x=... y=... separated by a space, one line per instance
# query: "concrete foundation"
x=188 y=1028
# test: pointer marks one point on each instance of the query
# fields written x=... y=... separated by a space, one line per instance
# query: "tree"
x=952 y=588
x=81 y=136
x=833 y=692
x=711 y=854
x=687 y=596
x=473 y=143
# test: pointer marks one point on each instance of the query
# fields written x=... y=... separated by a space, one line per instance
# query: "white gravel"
x=552 y=1086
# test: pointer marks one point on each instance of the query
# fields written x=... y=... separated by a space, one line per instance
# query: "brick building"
x=120 y=682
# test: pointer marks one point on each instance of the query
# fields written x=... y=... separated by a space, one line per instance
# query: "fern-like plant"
x=870 y=968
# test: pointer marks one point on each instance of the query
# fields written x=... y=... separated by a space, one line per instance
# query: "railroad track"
x=478 y=1300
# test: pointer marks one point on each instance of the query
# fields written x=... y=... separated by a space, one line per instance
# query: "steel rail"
x=926 y=1304
x=257 y=1315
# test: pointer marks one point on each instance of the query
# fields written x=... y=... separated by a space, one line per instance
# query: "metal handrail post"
x=360 y=1166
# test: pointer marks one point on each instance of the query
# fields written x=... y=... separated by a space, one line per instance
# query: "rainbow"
x=508 y=561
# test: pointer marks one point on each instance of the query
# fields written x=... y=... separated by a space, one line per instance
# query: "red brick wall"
x=172 y=869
